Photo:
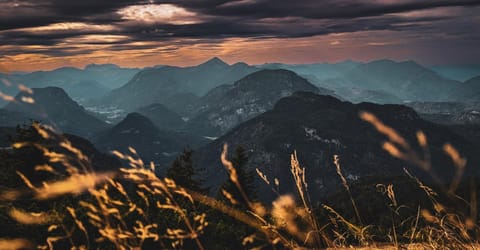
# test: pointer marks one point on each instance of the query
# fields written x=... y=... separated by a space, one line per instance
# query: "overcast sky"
x=45 y=34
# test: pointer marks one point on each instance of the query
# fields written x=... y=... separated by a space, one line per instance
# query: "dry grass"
x=104 y=203
x=444 y=227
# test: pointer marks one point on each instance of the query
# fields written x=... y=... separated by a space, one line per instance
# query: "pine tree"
x=185 y=175
x=245 y=177
x=224 y=226
x=183 y=172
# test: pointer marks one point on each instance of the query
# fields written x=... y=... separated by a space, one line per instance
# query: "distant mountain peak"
x=223 y=108
x=240 y=64
x=50 y=92
x=266 y=72
x=135 y=118
x=64 y=69
x=215 y=61
x=382 y=61
x=347 y=61
x=94 y=66
x=136 y=122
x=280 y=75
x=42 y=96
x=474 y=80
x=410 y=63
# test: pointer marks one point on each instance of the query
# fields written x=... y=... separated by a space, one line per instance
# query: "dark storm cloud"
x=34 y=13
x=325 y=9
x=223 y=19
x=219 y=29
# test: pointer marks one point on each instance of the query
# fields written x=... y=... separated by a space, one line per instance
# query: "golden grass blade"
x=233 y=175
x=7 y=98
x=75 y=184
x=382 y=128
x=336 y=162
x=14 y=244
x=29 y=218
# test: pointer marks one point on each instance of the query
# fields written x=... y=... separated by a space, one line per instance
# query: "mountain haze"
x=157 y=85
x=458 y=72
x=93 y=81
x=406 y=80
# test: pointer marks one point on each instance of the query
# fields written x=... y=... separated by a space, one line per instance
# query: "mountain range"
x=407 y=80
x=94 y=81
x=469 y=91
x=169 y=85
x=318 y=127
x=458 y=72
x=228 y=105
x=380 y=81
x=271 y=110
x=317 y=71
x=387 y=81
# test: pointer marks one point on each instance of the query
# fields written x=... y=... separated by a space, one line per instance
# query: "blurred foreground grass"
x=76 y=207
